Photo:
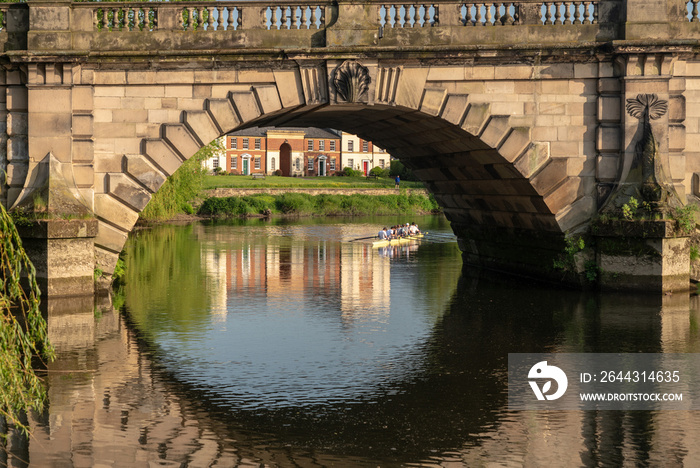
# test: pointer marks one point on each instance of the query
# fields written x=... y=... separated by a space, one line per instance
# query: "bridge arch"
x=489 y=175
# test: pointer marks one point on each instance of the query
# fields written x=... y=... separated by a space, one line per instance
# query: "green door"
x=245 y=166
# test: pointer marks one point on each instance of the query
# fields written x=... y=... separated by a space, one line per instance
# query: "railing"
x=498 y=13
x=691 y=7
x=207 y=16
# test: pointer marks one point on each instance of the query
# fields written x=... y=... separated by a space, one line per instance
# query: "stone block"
x=289 y=87
x=676 y=109
x=567 y=149
x=110 y=238
x=676 y=137
x=513 y=72
x=533 y=159
x=438 y=73
x=553 y=174
x=108 y=91
x=108 y=208
x=432 y=100
x=455 y=108
x=16 y=98
x=144 y=91
x=410 y=87
x=60 y=147
x=141 y=170
x=46 y=124
x=181 y=139
x=84 y=175
x=16 y=123
x=175 y=91
x=576 y=214
x=175 y=77
x=83 y=125
x=517 y=141
x=556 y=87
x=677 y=166
x=495 y=130
x=105 y=163
x=476 y=118
x=508 y=107
x=16 y=173
x=82 y=99
x=268 y=98
x=552 y=108
x=246 y=105
x=609 y=109
x=110 y=77
x=127 y=191
x=499 y=88
x=202 y=126
x=106 y=260
x=608 y=139
x=563 y=195
x=17 y=149
x=163 y=156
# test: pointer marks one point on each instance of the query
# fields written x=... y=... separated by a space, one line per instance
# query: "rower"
x=383 y=234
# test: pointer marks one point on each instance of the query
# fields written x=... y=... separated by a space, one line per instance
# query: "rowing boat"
x=398 y=241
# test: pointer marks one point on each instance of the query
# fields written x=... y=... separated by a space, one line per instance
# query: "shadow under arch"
x=507 y=200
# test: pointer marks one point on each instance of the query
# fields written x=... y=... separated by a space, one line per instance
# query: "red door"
x=365 y=167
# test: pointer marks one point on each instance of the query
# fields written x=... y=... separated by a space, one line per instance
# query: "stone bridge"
x=513 y=112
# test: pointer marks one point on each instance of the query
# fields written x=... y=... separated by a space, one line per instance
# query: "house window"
x=234 y=162
x=365 y=146
x=234 y=143
x=257 y=163
x=351 y=147
x=297 y=164
x=311 y=164
x=310 y=145
x=381 y=163
x=331 y=165
x=215 y=163
x=257 y=143
x=245 y=143
x=321 y=145
x=350 y=162
x=332 y=145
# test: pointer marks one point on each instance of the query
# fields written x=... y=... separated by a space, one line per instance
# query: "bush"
x=379 y=172
x=278 y=172
x=398 y=169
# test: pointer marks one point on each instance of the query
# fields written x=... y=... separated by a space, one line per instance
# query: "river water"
x=290 y=343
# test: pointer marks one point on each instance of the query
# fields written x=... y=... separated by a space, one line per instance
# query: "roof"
x=309 y=132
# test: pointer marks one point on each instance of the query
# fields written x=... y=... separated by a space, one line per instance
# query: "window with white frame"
x=297 y=164
x=381 y=163
x=234 y=143
x=257 y=163
x=350 y=164
x=311 y=164
x=365 y=147
x=234 y=162
x=215 y=163
x=331 y=164
x=332 y=145
x=257 y=143
x=322 y=145
x=272 y=165
x=245 y=143
x=310 y=146
x=351 y=146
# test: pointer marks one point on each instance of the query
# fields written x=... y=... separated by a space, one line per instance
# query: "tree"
x=23 y=331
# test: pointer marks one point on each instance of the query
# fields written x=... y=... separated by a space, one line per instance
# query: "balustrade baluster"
x=99 y=24
x=568 y=13
x=416 y=16
x=229 y=18
x=595 y=13
x=426 y=16
x=497 y=14
x=210 y=19
x=479 y=15
x=694 y=12
x=407 y=16
x=397 y=16
x=557 y=13
x=548 y=13
x=576 y=18
x=436 y=15
x=305 y=18
x=488 y=15
x=322 y=18
x=508 y=18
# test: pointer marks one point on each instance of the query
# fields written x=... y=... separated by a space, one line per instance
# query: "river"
x=290 y=343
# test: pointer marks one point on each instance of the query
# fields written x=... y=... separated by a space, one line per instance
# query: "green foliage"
x=685 y=217
x=327 y=205
x=573 y=245
x=379 y=172
x=629 y=209
x=23 y=331
x=350 y=172
x=238 y=181
x=694 y=253
x=398 y=169
x=592 y=270
x=181 y=188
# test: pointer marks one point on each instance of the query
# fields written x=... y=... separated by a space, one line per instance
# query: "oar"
x=363 y=238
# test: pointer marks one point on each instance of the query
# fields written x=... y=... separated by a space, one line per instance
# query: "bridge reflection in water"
x=113 y=402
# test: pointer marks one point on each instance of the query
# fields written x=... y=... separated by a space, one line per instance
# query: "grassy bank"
x=233 y=181
x=319 y=205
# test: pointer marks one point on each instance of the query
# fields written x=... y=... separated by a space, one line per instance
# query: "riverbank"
x=293 y=203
